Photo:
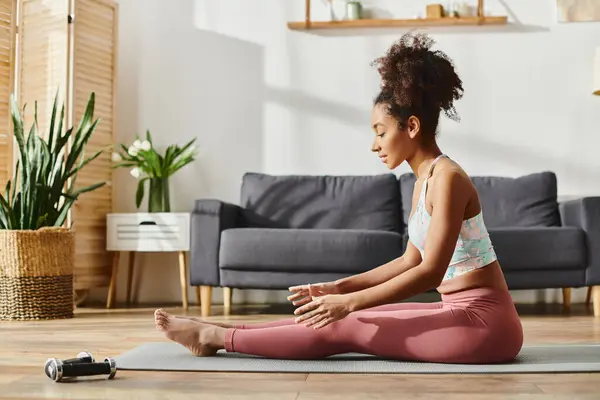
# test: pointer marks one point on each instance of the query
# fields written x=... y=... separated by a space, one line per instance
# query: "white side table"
x=147 y=232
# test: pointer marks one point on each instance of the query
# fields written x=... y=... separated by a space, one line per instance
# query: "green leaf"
x=64 y=212
x=52 y=120
x=179 y=164
x=41 y=220
x=7 y=191
x=85 y=120
x=124 y=164
x=18 y=133
x=139 y=194
x=7 y=216
x=153 y=163
x=14 y=192
x=170 y=154
x=84 y=163
x=187 y=146
x=77 y=148
x=88 y=189
x=60 y=124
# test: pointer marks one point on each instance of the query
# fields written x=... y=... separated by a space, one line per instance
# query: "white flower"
x=137 y=144
x=116 y=157
x=135 y=172
x=133 y=151
x=145 y=145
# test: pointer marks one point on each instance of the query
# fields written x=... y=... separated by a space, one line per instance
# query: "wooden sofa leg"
x=227 y=295
x=596 y=300
x=588 y=297
x=206 y=299
x=566 y=292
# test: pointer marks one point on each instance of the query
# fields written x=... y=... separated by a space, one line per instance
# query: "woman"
x=448 y=249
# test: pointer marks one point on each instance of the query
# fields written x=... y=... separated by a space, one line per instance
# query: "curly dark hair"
x=416 y=80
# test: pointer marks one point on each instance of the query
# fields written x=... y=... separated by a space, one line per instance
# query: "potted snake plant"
x=36 y=261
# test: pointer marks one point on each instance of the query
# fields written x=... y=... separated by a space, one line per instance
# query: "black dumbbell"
x=58 y=370
x=83 y=357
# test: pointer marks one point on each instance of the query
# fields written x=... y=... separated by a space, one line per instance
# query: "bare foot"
x=220 y=324
x=199 y=338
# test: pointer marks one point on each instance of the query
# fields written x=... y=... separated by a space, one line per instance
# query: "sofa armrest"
x=584 y=213
x=209 y=218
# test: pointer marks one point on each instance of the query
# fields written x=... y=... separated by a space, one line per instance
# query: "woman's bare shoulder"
x=450 y=181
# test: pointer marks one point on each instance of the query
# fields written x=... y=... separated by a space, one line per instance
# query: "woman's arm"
x=450 y=197
x=410 y=259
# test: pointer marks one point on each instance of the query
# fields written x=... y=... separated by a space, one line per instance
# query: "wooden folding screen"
x=8 y=14
x=94 y=70
x=70 y=46
x=43 y=51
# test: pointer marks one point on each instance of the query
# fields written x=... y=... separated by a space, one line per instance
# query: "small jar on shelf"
x=353 y=10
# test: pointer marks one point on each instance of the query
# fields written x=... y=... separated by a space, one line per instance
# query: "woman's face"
x=392 y=144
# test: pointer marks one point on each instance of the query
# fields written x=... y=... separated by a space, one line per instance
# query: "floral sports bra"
x=474 y=248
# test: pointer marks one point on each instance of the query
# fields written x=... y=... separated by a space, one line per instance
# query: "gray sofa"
x=290 y=230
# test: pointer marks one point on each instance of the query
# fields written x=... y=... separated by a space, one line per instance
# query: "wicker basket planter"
x=36 y=274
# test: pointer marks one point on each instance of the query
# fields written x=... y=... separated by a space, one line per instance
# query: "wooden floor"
x=25 y=346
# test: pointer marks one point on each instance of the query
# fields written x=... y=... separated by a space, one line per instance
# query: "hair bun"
x=419 y=78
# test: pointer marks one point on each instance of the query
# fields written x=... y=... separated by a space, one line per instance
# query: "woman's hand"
x=322 y=311
x=304 y=293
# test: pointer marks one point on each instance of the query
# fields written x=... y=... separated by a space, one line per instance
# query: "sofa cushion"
x=324 y=202
x=526 y=201
x=406 y=183
x=307 y=250
x=541 y=248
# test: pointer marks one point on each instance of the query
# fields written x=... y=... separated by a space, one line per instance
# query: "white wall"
x=261 y=97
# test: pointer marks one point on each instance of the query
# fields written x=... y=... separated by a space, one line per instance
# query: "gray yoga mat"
x=168 y=356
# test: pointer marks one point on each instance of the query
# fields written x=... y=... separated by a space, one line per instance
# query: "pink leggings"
x=474 y=326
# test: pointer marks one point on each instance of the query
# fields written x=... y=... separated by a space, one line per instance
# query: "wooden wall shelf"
x=398 y=23
x=478 y=20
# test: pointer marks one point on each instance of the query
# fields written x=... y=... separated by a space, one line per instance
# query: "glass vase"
x=158 y=199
